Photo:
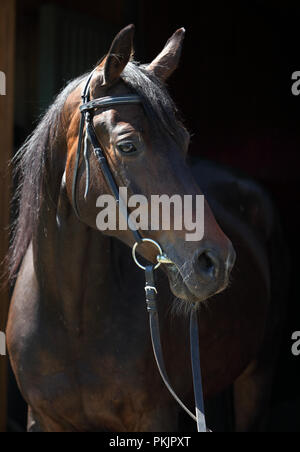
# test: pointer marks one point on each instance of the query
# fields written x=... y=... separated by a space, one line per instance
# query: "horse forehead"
x=123 y=127
x=130 y=117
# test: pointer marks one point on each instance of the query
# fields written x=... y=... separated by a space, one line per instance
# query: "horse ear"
x=118 y=56
x=167 y=61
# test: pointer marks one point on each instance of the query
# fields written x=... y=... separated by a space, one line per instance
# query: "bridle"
x=87 y=110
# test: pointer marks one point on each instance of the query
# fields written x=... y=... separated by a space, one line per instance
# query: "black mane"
x=160 y=108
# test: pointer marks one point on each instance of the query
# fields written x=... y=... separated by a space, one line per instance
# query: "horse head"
x=145 y=145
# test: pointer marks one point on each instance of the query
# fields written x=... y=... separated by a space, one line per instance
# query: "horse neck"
x=75 y=265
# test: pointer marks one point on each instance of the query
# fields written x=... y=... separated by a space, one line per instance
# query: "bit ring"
x=147 y=241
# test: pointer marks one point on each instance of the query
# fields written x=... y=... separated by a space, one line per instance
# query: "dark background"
x=233 y=87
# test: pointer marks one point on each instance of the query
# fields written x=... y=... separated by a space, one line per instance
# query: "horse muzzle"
x=206 y=274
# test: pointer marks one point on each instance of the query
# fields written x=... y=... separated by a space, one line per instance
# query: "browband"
x=108 y=101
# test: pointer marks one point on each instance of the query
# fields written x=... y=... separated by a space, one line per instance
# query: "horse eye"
x=127 y=148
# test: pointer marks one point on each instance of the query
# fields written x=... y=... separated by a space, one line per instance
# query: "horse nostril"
x=207 y=265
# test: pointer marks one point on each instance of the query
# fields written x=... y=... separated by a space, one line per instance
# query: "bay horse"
x=77 y=330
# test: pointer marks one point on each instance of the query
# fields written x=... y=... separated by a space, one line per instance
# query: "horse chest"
x=96 y=381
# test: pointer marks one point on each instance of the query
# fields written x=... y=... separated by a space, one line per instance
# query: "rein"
x=87 y=109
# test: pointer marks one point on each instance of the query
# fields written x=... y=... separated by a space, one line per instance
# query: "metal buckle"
x=151 y=288
x=163 y=259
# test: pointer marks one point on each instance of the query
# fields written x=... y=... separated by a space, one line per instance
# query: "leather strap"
x=107 y=173
x=108 y=101
x=76 y=167
x=151 y=301
x=196 y=370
